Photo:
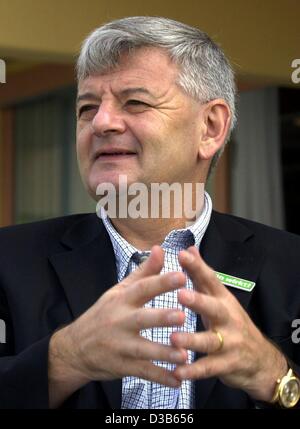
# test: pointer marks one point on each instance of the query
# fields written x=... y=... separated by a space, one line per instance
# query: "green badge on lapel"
x=232 y=281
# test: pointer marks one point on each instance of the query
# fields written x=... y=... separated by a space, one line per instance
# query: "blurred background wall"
x=259 y=172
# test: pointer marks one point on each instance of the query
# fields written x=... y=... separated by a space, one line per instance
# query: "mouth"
x=115 y=155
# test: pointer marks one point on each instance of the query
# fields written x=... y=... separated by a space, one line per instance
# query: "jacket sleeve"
x=23 y=376
x=291 y=351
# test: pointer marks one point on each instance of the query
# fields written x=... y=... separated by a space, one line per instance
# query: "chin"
x=111 y=178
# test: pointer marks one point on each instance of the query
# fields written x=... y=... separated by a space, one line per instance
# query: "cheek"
x=151 y=137
x=82 y=144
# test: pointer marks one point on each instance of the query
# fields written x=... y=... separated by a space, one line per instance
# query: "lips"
x=111 y=152
x=116 y=153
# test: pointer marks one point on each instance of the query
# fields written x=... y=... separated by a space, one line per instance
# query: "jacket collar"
x=86 y=269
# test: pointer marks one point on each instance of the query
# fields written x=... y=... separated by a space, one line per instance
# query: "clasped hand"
x=109 y=345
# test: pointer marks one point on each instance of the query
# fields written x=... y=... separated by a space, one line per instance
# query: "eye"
x=136 y=103
x=87 y=111
x=136 y=106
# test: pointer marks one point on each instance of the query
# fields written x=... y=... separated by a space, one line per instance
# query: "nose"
x=108 y=119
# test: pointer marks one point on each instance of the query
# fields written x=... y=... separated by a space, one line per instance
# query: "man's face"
x=136 y=121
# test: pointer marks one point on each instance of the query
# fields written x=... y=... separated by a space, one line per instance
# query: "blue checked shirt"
x=143 y=394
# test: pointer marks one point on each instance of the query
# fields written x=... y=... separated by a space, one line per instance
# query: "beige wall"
x=261 y=37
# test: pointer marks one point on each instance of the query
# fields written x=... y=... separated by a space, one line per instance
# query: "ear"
x=215 y=125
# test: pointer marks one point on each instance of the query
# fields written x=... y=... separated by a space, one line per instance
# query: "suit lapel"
x=228 y=247
x=86 y=269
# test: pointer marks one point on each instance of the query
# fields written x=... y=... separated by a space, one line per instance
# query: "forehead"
x=149 y=67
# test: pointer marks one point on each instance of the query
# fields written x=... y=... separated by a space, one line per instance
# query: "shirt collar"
x=123 y=250
x=176 y=239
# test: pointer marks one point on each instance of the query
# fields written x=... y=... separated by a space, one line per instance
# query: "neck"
x=145 y=233
x=146 y=219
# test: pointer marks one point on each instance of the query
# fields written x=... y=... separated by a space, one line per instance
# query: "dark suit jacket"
x=52 y=271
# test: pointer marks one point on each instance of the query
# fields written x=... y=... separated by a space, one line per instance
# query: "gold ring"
x=221 y=339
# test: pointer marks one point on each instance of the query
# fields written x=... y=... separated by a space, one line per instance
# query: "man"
x=92 y=320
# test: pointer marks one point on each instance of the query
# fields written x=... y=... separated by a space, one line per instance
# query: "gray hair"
x=205 y=73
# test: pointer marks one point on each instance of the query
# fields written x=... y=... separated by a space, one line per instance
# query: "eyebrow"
x=140 y=90
x=124 y=92
x=87 y=96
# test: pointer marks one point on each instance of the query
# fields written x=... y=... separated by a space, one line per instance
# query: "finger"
x=207 y=306
x=144 y=318
x=202 y=276
x=145 y=289
x=206 y=367
x=143 y=349
x=153 y=265
x=148 y=371
x=202 y=342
